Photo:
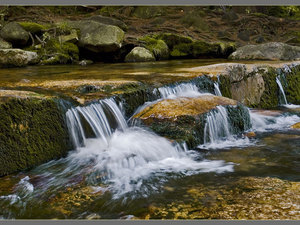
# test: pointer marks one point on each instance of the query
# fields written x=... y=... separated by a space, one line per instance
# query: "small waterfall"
x=281 y=90
x=100 y=117
x=125 y=157
x=217 y=125
x=217 y=89
x=180 y=90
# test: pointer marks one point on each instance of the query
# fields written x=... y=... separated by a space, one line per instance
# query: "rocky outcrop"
x=14 y=33
x=139 y=54
x=109 y=21
x=183 y=119
x=17 y=58
x=255 y=84
x=267 y=51
x=98 y=37
x=32 y=130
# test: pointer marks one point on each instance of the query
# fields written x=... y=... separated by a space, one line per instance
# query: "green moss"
x=58 y=53
x=225 y=86
x=292 y=90
x=32 y=27
x=32 y=131
x=172 y=39
x=158 y=47
x=269 y=98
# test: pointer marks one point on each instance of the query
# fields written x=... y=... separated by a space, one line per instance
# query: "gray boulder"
x=109 y=21
x=17 y=58
x=98 y=37
x=267 y=51
x=139 y=54
x=14 y=33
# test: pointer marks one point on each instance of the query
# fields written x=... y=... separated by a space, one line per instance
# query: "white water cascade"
x=281 y=90
x=217 y=89
x=124 y=157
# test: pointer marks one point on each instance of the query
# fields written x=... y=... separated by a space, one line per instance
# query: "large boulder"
x=98 y=37
x=17 y=58
x=14 y=33
x=139 y=54
x=109 y=21
x=32 y=130
x=267 y=51
x=183 y=119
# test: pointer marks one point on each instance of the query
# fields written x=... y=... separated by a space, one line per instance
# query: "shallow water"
x=129 y=172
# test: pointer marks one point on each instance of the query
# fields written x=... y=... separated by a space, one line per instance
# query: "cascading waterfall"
x=217 y=89
x=281 y=90
x=180 y=90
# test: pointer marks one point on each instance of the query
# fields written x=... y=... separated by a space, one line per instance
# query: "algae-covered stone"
x=267 y=51
x=183 y=119
x=296 y=126
x=139 y=54
x=109 y=21
x=32 y=27
x=172 y=39
x=14 y=33
x=98 y=37
x=158 y=47
x=17 y=58
x=32 y=131
x=4 y=44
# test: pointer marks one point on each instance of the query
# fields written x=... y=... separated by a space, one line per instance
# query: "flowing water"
x=121 y=170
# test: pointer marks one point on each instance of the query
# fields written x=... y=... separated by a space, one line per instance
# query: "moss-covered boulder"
x=291 y=84
x=139 y=54
x=32 y=27
x=17 y=58
x=14 y=33
x=183 y=119
x=109 y=21
x=72 y=37
x=4 y=44
x=32 y=130
x=55 y=52
x=158 y=47
x=98 y=37
x=267 y=51
x=172 y=39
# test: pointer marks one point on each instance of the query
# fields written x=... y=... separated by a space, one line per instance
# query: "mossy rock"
x=34 y=28
x=184 y=119
x=139 y=54
x=55 y=52
x=14 y=33
x=292 y=89
x=195 y=50
x=173 y=39
x=32 y=131
x=158 y=47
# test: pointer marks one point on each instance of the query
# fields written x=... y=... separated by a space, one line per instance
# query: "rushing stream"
x=119 y=169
